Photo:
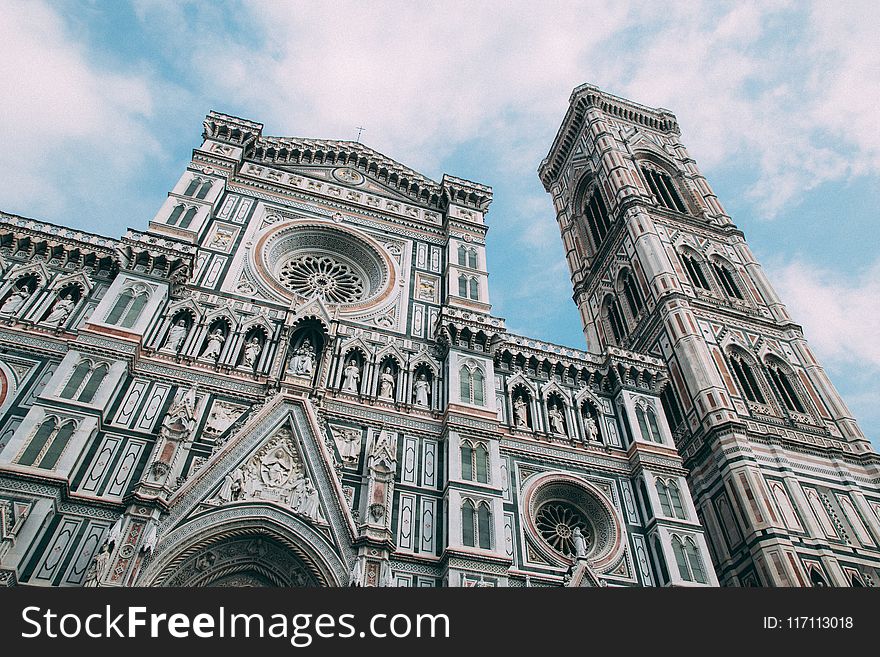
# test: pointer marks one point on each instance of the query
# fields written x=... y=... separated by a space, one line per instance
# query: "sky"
x=103 y=103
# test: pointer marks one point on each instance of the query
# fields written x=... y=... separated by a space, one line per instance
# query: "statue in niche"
x=351 y=376
x=297 y=493
x=215 y=343
x=520 y=415
x=98 y=567
x=579 y=541
x=303 y=361
x=251 y=352
x=15 y=301
x=176 y=335
x=386 y=384
x=557 y=420
x=60 y=311
x=220 y=419
x=592 y=429
x=421 y=389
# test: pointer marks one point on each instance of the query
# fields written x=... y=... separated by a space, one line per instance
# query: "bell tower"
x=784 y=480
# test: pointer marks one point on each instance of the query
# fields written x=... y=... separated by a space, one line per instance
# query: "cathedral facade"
x=292 y=377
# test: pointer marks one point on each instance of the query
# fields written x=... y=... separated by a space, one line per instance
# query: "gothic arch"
x=289 y=535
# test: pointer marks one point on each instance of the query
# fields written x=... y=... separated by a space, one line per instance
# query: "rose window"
x=556 y=522
x=339 y=265
x=329 y=278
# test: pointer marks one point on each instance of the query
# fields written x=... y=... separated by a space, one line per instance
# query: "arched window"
x=475 y=289
x=175 y=215
x=663 y=189
x=660 y=561
x=675 y=498
x=728 y=282
x=203 y=191
x=48 y=444
x=93 y=383
x=484 y=526
x=596 y=216
x=855 y=580
x=742 y=370
x=481 y=457
x=784 y=388
x=695 y=271
x=615 y=320
x=648 y=427
x=632 y=293
x=672 y=408
x=127 y=309
x=188 y=217
x=687 y=557
x=192 y=187
x=468 y=524
x=785 y=506
x=462 y=286
x=663 y=492
x=472 y=385
x=467 y=461
x=817 y=578
x=472 y=258
x=74 y=383
x=462 y=255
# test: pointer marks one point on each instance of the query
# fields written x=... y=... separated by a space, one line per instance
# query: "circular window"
x=557 y=503
x=556 y=522
x=326 y=261
x=330 y=278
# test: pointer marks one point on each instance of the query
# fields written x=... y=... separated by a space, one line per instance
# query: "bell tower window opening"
x=746 y=379
x=784 y=389
x=695 y=272
x=727 y=281
x=663 y=189
x=596 y=217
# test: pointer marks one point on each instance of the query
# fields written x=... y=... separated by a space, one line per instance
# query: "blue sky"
x=103 y=102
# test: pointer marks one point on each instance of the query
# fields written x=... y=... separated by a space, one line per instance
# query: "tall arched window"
x=203 y=191
x=462 y=255
x=467 y=461
x=484 y=526
x=726 y=279
x=687 y=556
x=663 y=189
x=596 y=216
x=175 y=215
x=93 y=383
x=695 y=271
x=784 y=503
x=468 y=524
x=472 y=385
x=192 y=187
x=670 y=499
x=742 y=370
x=462 y=286
x=472 y=258
x=128 y=307
x=659 y=560
x=648 y=426
x=784 y=388
x=663 y=493
x=474 y=289
x=188 y=217
x=74 y=383
x=481 y=458
x=615 y=320
x=632 y=293
x=48 y=444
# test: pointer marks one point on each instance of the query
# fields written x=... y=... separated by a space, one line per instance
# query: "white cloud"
x=839 y=314
x=63 y=119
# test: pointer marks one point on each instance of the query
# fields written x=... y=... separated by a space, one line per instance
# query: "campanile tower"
x=784 y=480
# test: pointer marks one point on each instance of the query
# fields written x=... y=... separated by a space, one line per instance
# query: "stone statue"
x=386 y=577
x=98 y=567
x=176 y=335
x=220 y=419
x=309 y=505
x=15 y=301
x=351 y=376
x=231 y=488
x=592 y=429
x=215 y=343
x=252 y=351
x=151 y=537
x=60 y=311
x=386 y=384
x=297 y=493
x=557 y=421
x=303 y=361
x=421 y=389
x=579 y=542
x=519 y=413
x=350 y=444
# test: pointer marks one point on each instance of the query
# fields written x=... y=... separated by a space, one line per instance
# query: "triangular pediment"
x=275 y=460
